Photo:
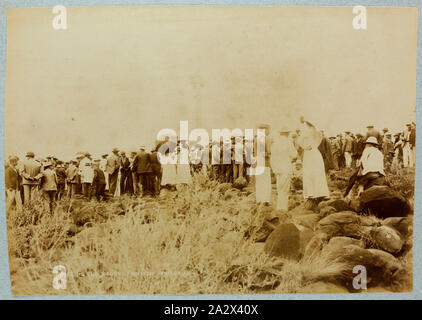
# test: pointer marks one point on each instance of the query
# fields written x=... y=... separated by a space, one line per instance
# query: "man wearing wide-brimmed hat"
x=112 y=168
x=371 y=166
x=282 y=154
x=30 y=176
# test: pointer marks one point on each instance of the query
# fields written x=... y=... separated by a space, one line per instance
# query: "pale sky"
x=118 y=75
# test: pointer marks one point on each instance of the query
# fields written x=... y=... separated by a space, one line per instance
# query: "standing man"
x=156 y=172
x=112 y=168
x=49 y=185
x=72 y=178
x=282 y=154
x=326 y=152
x=388 y=151
x=142 y=167
x=12 y=184
x=263 y=181
x=348 y=148
x=407 y=157
x=412 y=142
x=30 y=174
x=61 y=179
x=373 y=133
x=124 y=172
x=87 y=176
x=103 y=166
x=98 y=182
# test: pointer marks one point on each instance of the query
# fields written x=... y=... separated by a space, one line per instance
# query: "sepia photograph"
x=196 y=150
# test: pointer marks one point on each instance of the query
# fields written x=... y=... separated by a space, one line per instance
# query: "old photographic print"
x=210 y=149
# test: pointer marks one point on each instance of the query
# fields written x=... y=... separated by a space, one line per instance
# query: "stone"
x=387 y=239
x=384 y=202
x=403 y=225
x=337 y=204
x=308 y=221
x=284 y=242
x=325 y=211
x=300 y=211
x=345 y=223
x=336 y=245
x=381 y=266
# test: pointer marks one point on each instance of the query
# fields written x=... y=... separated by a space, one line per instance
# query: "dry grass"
x=196 y=235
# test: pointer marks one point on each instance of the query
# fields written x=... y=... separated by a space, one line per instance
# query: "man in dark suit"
x=156 y=172
x=12 y=184
x=124 y=172
x=98 y=183
x=142 y=167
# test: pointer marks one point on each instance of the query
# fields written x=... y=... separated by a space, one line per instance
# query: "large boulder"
x=381 y=266
x=404 y=225
x=384 y=202
x=308 y=220
x=387 y=239
x=284 y=242
x=336 y=245
x=326 y=211
x=345 y=223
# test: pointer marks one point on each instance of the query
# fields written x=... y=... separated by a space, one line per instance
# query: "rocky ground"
x=214 y=238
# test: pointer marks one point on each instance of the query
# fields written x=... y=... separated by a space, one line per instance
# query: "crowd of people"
x=142 y=174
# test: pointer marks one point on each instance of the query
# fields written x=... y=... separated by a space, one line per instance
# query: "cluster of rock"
x=336 y=231
x=374 y=232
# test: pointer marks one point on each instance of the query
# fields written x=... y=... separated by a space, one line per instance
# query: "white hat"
x=372 y=140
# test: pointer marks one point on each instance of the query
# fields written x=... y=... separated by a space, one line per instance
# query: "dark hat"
x=385 y=129
x=115 y=150
x=264 y=126
x=105 y=155
x=370 y=126
x=87 y=154
x=408 y=124
x=30 y=154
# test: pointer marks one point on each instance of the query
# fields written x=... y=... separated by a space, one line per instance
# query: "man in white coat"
x=282 y=154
